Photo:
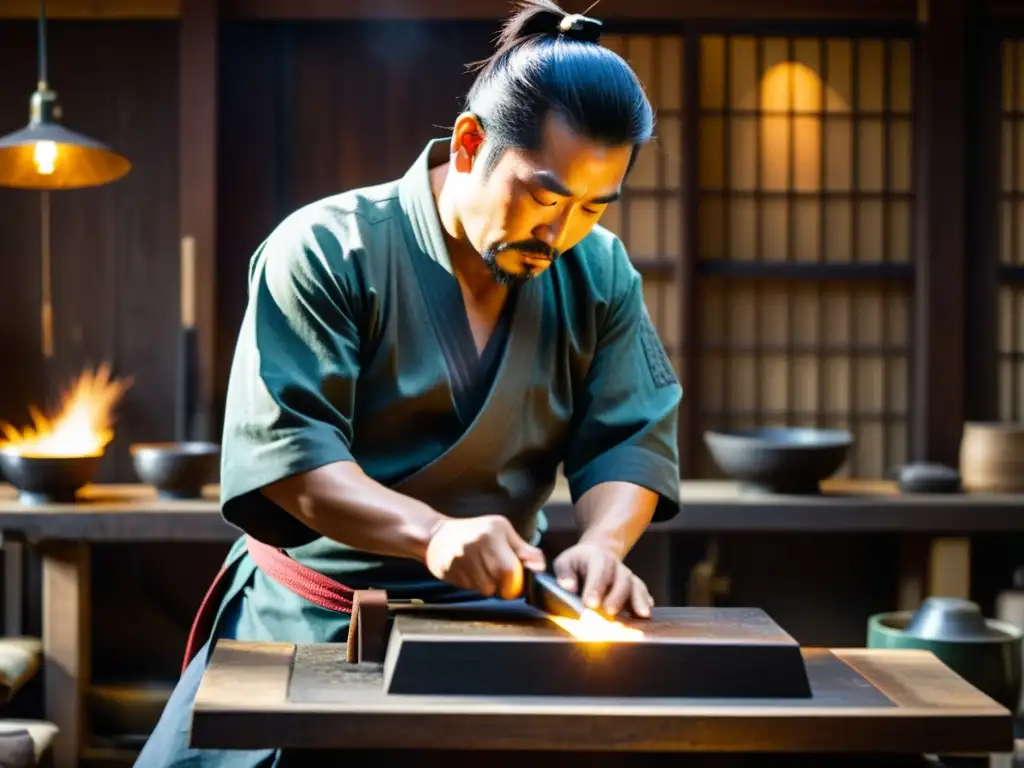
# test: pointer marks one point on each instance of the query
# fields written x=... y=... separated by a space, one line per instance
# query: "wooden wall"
x=299 y=122
x=115 y=249
x=295 y=123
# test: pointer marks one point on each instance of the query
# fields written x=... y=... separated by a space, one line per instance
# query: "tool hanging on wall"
x=44 y=257
x=188 y=396
x=45 y=155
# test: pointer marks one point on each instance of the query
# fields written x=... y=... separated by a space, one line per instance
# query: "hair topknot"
x=547 y=60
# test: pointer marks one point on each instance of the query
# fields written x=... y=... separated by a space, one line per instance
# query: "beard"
x=503 y=276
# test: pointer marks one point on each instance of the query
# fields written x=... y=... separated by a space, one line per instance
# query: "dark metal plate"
x=321 y=676
x=689 y=652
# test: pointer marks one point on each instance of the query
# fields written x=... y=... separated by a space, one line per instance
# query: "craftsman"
x=418 y=359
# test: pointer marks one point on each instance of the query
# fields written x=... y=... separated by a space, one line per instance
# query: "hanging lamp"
x=46 y=155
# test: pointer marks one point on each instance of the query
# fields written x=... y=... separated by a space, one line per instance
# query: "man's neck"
x=469 y=268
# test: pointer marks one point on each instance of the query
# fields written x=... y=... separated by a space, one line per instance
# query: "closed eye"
x=541 y=202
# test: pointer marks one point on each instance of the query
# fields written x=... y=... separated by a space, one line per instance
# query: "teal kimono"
x=355 y=346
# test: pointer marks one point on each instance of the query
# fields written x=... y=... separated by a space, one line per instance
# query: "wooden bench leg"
x=14 y=586
x=66 y=647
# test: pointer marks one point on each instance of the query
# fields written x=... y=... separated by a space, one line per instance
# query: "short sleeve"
x=626 y=420
x=291 y=392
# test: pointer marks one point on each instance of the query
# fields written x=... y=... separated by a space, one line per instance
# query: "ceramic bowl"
x=176 y=470
x=779 y=459
x=985 y=654
x=48 y=479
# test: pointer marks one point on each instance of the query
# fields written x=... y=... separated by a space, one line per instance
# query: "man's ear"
x=467 y=141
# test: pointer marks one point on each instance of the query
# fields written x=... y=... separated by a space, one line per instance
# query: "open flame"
x=82 y=427
x=592 y=627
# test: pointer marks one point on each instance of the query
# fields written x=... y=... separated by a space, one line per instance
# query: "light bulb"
x=45 y=157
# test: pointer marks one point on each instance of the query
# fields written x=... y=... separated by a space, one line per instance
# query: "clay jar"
x=992 y=457
x=984 y=652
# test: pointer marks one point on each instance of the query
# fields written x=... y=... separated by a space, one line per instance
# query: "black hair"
x=547 y=61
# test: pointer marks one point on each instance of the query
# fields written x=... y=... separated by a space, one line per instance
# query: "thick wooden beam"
x=92 y=9
x=667 y=10
x=1004 y=9
x=939 y=393
x=198 y=184
x=689 y=315
x=985 y=102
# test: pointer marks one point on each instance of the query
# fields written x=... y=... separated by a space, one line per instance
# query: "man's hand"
x=608 y=585
x=483 y=554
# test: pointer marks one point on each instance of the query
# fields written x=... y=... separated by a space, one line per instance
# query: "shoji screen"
x=1011 y=241
x=805 y=221
x=649 y=217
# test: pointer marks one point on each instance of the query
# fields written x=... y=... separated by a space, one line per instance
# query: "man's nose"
x=552 y=234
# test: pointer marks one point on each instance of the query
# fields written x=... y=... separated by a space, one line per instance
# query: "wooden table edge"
x=256 y=713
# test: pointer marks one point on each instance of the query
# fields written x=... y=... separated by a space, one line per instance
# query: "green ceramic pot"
x=992 y=665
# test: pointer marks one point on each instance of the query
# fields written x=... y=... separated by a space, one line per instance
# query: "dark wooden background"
x=296 y=122
x=308 y=109
x=115 y=248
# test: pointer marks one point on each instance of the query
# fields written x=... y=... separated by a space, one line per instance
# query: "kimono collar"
x=417 y=201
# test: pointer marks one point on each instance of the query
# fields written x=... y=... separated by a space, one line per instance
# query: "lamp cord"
x=42 y=42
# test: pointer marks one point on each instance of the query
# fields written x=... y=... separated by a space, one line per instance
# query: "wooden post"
x=66 y=645
x=197 y=145
x=939 y=393
x=985 y=100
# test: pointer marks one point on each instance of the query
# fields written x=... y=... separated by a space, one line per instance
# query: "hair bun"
x=580 y=27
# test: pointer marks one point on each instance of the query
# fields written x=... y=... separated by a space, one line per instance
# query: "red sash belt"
x=304 y=582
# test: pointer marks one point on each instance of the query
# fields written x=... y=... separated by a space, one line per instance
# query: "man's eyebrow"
x=552 y=183
x=604 y=200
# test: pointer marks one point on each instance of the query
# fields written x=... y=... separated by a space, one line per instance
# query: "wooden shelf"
x=655 y=269
x=792 y=270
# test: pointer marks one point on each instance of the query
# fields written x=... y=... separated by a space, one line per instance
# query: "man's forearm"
x=615 y=515
x=341 y=502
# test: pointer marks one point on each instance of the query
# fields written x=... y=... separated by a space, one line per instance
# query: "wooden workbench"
x=279 y=695
x=133 y=513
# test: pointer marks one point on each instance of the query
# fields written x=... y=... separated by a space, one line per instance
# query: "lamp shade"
x=46 y=155
x=49 y=156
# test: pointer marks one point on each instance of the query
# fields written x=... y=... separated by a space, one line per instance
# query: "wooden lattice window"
x=804 y=218
x=1011 y=240
x=649 y=216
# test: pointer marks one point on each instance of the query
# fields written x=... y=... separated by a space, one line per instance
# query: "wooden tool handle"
x=368 y=627
x=188 y=282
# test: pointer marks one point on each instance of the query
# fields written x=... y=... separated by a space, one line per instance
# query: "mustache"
x=528 y=246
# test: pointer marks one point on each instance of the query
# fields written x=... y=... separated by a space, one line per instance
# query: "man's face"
x=534 y=206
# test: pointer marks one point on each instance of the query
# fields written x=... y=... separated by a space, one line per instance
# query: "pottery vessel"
x=176 y=470
x=48 y=479
x=788 y=460
x=992 y=457
x=985 y=652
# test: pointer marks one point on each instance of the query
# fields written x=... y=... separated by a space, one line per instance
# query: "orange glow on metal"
x=592 y=627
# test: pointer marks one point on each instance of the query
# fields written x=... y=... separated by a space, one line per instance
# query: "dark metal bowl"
x=47 y=479
x=952 y=619
x=790 y=460
x=984 y=652
x=176 y=470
